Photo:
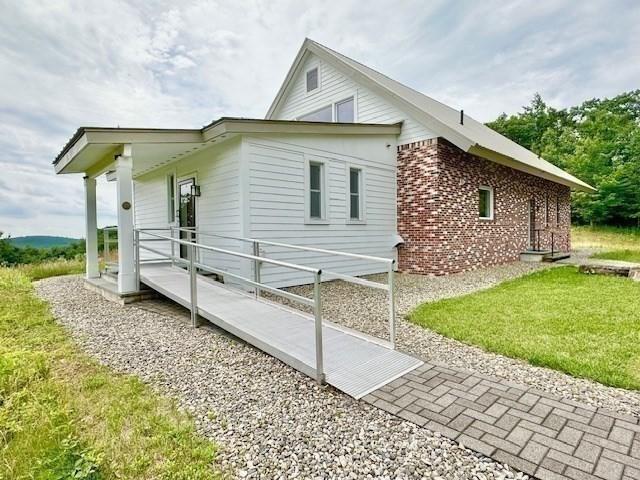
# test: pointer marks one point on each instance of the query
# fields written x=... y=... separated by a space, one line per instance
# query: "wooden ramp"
x=352 y=363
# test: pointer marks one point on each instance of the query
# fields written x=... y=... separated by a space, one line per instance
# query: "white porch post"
x=91 y=228
x=126 y=259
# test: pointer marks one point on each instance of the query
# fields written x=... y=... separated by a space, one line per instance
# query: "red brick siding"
x=438 y=214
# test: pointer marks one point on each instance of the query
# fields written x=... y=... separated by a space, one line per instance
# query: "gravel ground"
x=271 y=421
x=366 y=310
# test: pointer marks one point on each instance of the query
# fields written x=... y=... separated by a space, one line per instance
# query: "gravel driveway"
x=366 y=310
x=271 y=421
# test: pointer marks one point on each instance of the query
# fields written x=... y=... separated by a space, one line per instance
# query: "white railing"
x=256 y=243
x=193 y=265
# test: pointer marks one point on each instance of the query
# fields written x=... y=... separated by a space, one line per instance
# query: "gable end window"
x=322 y=115
x=312 y=79
x=485 y=203
x=344 y=111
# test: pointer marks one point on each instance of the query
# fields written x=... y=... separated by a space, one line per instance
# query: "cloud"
x=166 y=64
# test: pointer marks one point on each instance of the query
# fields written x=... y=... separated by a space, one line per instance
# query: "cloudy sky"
x=183 y=64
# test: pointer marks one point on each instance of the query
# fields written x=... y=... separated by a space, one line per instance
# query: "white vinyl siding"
x=369 y=107
x=217 y=171
x=277 y=206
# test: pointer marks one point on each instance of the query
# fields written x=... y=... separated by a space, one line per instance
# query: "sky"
x=65 y=64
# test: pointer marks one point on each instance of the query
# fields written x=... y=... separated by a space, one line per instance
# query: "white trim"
x=489 y=189
x=314 y=67
x=324 y=190
x=362 y=220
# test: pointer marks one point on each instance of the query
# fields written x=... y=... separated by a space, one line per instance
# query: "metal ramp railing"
x=195 y=263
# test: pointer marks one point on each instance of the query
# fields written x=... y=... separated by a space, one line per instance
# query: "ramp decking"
x=352 y=363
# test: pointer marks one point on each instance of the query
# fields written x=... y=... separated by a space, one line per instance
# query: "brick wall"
x=438 y=212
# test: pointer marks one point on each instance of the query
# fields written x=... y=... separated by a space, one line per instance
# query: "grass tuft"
x=54 y=268
x=584 y=325
x=64 y=416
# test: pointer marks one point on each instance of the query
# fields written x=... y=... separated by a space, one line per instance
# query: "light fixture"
x=195 y=190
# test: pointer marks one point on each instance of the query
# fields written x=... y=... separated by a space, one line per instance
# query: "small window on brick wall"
x=558 y=221
x=485 y=203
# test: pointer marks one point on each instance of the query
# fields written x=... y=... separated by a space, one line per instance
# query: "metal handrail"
x=389 y=287
x=193 y=265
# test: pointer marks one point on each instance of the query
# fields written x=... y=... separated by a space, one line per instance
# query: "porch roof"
x=92 y=150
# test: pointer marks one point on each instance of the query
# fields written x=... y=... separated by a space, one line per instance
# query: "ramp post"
x=392 y=306
x=317 y=311
x=136 y=241
x=256 y=267
x=193 y=283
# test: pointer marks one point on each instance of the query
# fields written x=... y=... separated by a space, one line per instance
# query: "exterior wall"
x=438 y=210
x=277 y=208
x=218 y=209
x=334 y=86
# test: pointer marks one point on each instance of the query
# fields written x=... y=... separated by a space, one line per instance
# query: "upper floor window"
x=344 y=111
x=485 y=203
x=322 y=115
x=312 y=79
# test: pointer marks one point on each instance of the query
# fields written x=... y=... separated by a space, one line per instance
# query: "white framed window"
x=324 y=114
x=355 y=195
x=316 y=191
x=485 y=203
x=312 y=79
x=171 y=198
x=558 y=216
x=344 y=111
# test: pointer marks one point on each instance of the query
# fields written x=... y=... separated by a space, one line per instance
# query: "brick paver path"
x=533 y=431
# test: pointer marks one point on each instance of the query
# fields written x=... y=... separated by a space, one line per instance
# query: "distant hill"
x=42 y=241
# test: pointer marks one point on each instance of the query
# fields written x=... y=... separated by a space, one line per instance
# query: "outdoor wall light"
x=195 y=190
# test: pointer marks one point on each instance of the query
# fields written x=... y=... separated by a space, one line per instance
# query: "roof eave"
x=516 y=164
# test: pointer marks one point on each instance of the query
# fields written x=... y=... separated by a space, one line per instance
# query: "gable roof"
x=471 y=136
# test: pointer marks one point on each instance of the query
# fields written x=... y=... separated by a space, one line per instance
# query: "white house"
x=347 y=159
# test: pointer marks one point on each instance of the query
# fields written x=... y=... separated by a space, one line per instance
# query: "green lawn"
x=585 y=325
x=605 y=238
x=624 y=255
x=64 y=416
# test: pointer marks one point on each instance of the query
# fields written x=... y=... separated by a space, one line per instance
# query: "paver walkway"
x=533 y=431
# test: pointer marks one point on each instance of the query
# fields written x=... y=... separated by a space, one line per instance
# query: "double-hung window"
x=316 y=193
x=355 y=194
x=485 y=203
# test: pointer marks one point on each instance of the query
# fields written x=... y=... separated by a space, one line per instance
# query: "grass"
x=624 y=255
x=585 y=325
x=64 y=416
x=605 y=238
x=613 y=243
x=38 y=271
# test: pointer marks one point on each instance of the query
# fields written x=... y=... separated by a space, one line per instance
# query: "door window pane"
x=322 y=115
x=344 y=111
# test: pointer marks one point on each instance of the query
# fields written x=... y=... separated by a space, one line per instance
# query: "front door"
x=186 y=211
x=532 y=224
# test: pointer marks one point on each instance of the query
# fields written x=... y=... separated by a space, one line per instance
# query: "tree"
x=597 y=141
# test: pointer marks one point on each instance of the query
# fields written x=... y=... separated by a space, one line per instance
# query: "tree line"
x=11 y=254
x=598 y=142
